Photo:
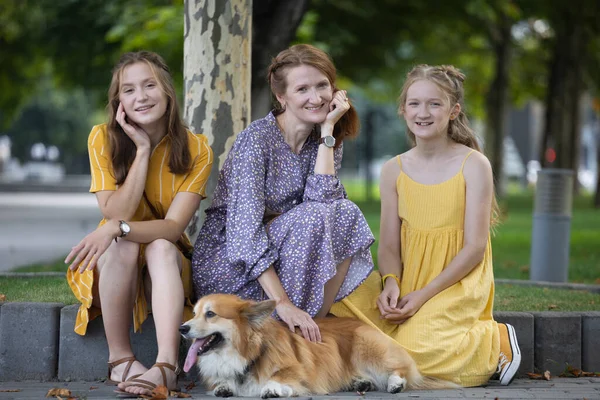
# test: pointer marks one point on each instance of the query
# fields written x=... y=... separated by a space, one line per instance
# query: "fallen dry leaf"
x=2 y=297
x=552 y=306
x=159 y=393
x=533 y=375
x=179 y=395
x=58 y=392
x=572 y=372
x=93 y=387
x=190 y=386
x=10 y=390
x=547 y=375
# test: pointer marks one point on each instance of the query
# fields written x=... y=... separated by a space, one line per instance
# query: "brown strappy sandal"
x=150 y=385
x=111 y=365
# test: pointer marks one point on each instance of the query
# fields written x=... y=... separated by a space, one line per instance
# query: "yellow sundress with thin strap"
x=453 y=336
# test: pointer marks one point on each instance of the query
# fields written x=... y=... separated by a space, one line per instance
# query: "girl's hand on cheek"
x=139 y=137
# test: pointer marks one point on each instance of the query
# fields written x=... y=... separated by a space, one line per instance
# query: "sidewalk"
x=557 y=388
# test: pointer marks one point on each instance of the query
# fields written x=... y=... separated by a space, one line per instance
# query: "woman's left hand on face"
x=88 y=251
x=407 y=307
x=338 y=106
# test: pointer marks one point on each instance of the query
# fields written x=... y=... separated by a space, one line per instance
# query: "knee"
x=123 y=254
x=159 y=252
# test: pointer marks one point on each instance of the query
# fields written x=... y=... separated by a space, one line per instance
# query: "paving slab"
x=556 y=388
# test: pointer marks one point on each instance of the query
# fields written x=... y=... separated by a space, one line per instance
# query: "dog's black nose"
x=183 y=329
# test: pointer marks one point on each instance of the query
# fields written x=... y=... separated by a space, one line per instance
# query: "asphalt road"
x=42 y=227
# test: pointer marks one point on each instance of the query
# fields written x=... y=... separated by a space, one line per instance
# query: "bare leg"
x=164 y=269
x=332 y=287
x=114 y=293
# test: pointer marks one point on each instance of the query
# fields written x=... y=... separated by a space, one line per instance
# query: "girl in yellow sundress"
x=149 y=175
x=434 y=290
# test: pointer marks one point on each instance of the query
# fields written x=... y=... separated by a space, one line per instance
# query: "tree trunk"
x=597 y=196
x=497 y=100
x=274 y=25
x=565 y=88
x=217 y=73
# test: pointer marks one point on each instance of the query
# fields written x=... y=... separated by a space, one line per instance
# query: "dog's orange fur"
x=260 y=356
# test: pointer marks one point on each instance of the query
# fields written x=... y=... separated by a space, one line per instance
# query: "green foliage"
x=61 y=56
x=54 y=117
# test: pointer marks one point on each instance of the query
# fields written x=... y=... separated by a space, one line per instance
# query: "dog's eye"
x=209 y=314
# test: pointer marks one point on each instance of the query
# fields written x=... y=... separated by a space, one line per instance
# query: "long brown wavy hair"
x=304 y=54
x=450 y=81
x=121 y=146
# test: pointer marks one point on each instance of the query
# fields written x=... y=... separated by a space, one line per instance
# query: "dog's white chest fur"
x=227 y=367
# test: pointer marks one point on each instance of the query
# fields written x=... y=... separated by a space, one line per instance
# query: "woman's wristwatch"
x=328 y=141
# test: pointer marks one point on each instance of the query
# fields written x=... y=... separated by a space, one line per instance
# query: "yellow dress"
x=161 y=188
x=453 y=336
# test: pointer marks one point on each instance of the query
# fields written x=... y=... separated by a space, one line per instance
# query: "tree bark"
x=565 y=88
x=597 y=195
x=217 y=74
x=497 y=100
x=274 y=27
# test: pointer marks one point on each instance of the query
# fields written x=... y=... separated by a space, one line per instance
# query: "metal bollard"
x=550 y=237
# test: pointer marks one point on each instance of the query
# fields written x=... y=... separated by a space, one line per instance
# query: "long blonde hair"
x=121 y=146
x=450 y=81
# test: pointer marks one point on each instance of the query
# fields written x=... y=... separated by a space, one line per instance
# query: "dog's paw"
x=362 y=385
x=223 y=391
x=396 y=384
x=275 y=389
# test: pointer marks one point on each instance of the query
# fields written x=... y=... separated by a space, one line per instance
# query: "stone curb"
x=37 y=342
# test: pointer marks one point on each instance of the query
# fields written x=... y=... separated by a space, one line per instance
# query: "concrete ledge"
x=557 y=341
x=29 y=341
x=86 y=357
x=590 y=341
x=524 y=327
x=37 y=342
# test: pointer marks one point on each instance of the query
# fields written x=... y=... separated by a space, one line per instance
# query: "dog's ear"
x=257 y=313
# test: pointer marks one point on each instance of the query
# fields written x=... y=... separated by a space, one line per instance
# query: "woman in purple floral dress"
x=280 y=225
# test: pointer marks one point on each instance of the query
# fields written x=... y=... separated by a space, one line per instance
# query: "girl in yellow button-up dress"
x=149 y=175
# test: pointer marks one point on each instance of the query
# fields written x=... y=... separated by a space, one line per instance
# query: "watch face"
x=125 y=228
x=329 y=141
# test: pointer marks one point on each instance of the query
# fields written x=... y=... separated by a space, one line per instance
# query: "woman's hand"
x=88 y=251
x=293 y=316
x=139 y=137
x=407 y=307
x=388 y=299
x=338 y=106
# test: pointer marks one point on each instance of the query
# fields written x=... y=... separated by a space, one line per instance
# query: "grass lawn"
x=511 y=249
x=508 y=297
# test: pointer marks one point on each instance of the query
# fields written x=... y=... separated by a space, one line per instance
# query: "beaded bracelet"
x=383 y=278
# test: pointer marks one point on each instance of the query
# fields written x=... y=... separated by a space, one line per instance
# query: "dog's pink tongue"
x=192 y=354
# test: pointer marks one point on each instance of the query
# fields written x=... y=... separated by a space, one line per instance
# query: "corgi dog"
x=240 y=350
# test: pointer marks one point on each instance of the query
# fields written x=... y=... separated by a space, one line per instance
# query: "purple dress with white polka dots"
x=318 y=227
